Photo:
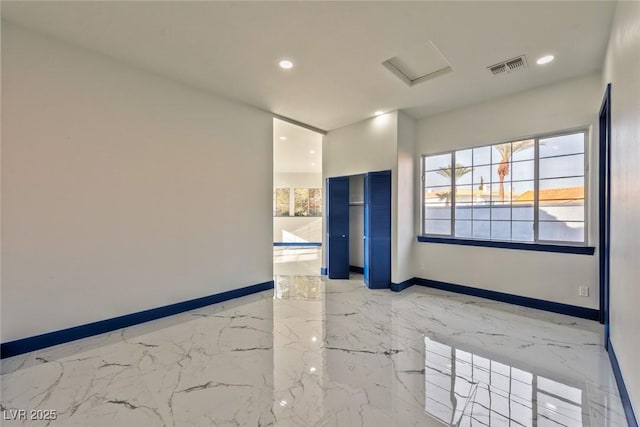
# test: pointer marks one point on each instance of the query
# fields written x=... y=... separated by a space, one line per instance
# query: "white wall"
x=366 y=146
x=369 y=145
x=549 y=276
x=297 y=229
x=622 y=68
x=402 y=268
x=122 y=190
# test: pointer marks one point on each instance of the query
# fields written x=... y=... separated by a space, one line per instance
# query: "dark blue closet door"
x=377 y=229
x=338 y=227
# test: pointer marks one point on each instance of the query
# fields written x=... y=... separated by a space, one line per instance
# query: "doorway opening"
x=297 y=202
x=356 y=224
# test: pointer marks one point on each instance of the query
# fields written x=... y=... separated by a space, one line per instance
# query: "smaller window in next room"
x=529 y=190
x=281 y=202
x=308 y=201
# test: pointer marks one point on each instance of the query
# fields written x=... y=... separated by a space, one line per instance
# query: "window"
x=308 y=202
x=530 y=190
x=281 y=202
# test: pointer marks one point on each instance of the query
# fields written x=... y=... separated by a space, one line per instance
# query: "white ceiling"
x=232 y=48
x=300 y=152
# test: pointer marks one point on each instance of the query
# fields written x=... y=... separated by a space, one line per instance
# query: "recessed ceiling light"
x=378 y=113
x=313 y=164
x=283 y=138
x=286 y=64
x=545 y=59
x=312 y=152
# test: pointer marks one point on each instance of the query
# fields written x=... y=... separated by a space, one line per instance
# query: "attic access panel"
x=418 y=64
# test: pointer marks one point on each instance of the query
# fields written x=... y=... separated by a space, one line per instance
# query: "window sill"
x=300 y=244
x=541 y=247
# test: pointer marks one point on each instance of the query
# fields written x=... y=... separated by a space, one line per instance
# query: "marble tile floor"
x=326 y=353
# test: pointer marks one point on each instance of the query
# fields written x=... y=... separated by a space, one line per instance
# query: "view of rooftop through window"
x=526 y=190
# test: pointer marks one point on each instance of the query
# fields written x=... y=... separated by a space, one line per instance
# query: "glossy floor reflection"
x=462 y=388
x=327 y=353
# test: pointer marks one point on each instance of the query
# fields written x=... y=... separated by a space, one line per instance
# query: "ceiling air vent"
x=514 y=64
x=498 y=69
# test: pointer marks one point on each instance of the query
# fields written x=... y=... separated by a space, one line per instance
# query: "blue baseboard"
x=25 y=345
x=624 y=394
x=397 y=287
x=356 y=269
x=555 y=307
x=298 y=244
x=379 y=286
x=323 y=271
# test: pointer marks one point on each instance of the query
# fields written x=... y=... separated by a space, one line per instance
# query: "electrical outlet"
x=583 y=291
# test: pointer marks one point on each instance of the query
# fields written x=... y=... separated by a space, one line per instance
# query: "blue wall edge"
x=565 y=249
x=397 y=287
x=25 y=345
x=298 y=244
x=622 y=389
x=356 y=269
x=555 y=307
